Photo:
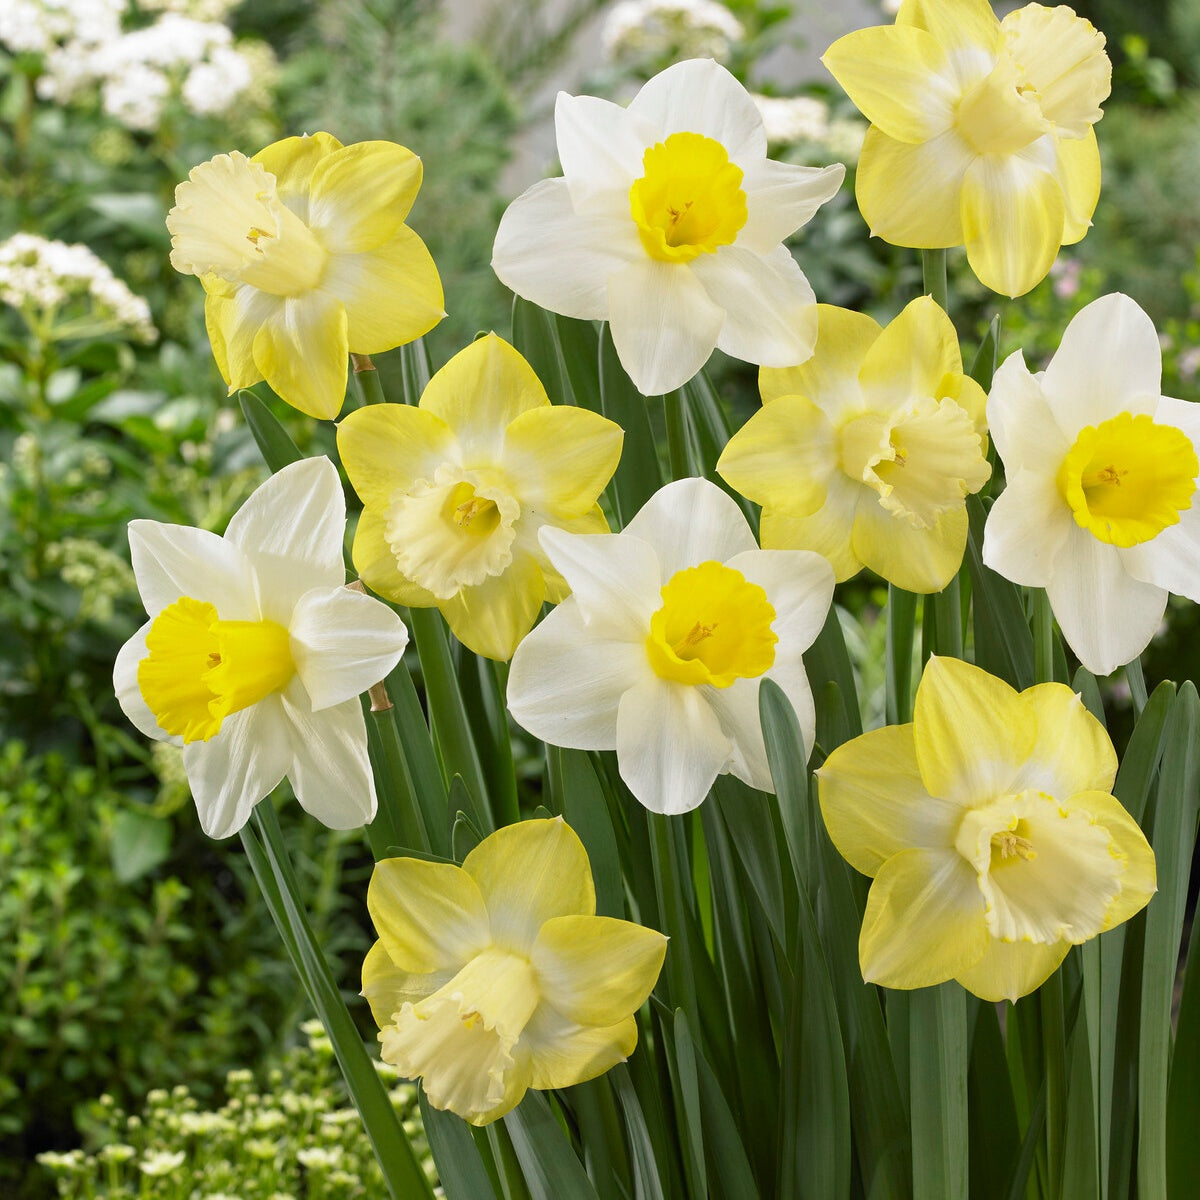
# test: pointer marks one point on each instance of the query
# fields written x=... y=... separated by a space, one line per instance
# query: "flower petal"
x=360 y=195
x=923 y=922
x=232 y=319
x=1172 y=559
x=530 y=873
x=972 y=732
x=386 y=987
x=601 y=147
x=799 y=586
x=1026 y=528
x=965 y=25
x=916 y=356
x=1079 y=175
x=129 y=694
x=375 y=563
x=170 y=561
x=875 y=804
x=830 y=377
x=770 y=309
x=292 y=161
x=392 y=293
x=781 y=197
x=492 y=617
x=386 y=446
x=1139 y=880
x=1022 y=422
x=302 y=351
x=663 y=323
x=827 y=532
x=1013 y=216
x=918 y=560
x=1010 y=970
x=1073 y=752
x=565 y=1053
x=597 y=970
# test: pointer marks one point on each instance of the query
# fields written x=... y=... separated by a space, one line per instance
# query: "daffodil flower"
x=457 y=488
x=1099 y=504
x=867 y=452
x=497 y=976
x=669 y=223
x=659 y=651
x=305 y=258
x=981 y=131
x=990 y=831
x=255 y=653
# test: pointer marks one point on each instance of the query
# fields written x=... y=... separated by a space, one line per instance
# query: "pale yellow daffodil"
x=990 y=830
x=456 y=489
x=497 y=976
x=981 y=131
x=867 y=452
x=305 y=259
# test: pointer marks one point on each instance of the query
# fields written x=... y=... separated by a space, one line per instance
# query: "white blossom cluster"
x=46 y=26
x=637 y=30
x=789 y=120
x=43 y=276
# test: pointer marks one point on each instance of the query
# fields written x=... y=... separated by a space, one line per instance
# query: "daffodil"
x=981 y=131
x=497 y=976
x=456 y=489
x=866 y=453
x=659 y=651
x=989 y=828
x=255 y=653
x=1099 y=504
x=305 y=258
x=669 y=223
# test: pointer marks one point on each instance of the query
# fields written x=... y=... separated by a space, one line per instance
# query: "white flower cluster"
x=44 y=26
x=40 y=275
x=200 y=10
x=637 y=30
x=795 y=119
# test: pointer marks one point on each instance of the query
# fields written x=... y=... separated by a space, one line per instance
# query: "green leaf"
x=983 y=366
x=938 y=1091
x=638 y=475
x=140 y=842
x=1183 y=1096
x=647 y=1184
x=535 y=338
x=901 y=629
x=728 y=1167
x=460 y=1166
x=995 y=1139
x=580 y=798
x=141 y=212
x=465 y=836
x=274 y=442
x=691 y=1120
x=580 y=345
x=551 y=1167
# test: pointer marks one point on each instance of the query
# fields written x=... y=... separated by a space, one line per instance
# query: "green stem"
x=1137 y=685
x=901 y=624
x=1043 y=638
x=947 y=606
x=1054 y=1054
x=677 y=448
x=933 y=271
x=399 y=821
x=367 y=378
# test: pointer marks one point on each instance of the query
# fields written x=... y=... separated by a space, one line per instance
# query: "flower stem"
x=1043 y=638
x=367 y=378
x=677 y=448
x=933 y=271
x=901 y=625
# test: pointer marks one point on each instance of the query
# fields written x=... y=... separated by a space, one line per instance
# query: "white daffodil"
x=668 y=223
x=255 y=653
x=660 y=649
x=1099 y=506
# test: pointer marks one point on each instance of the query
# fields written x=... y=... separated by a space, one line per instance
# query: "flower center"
x=690 y=199
x=229 y=221
x=1128 y=478
x=454 y=531
x=921 y=460
x=714 y=627
x=200 y=668
x=1000 y=114
x=1046 y=873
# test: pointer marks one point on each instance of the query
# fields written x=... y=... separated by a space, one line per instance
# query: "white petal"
x=1026 y=529
x=291 y=529
x=1109 y=362
x=601 y=146
x=343 y=642
x=129 y=695
x=799 y=586
x=330 y=771
x=781 y=197
x=1183 y=414
x=1172 y=559
x=560 y=259
x=770 y=308
x=1022 y=422
x=664 y=326
x=700 y=96
x=670 y=745
x=170 y=561
x=565 y=682
x=232 y=772
x=689 y=522
x=1107 y=616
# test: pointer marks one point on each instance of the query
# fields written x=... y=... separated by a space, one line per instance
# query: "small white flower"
x=161 y=1162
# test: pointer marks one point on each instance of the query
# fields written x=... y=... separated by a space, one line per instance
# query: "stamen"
x=695 y=636
x=1012 y=845
x=465 y=513
x=256 y=233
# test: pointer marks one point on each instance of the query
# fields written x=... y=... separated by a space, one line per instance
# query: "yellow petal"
x=826 y=532
x=597 y=970
x=972 y=399
x=782 y=457
x=529 y=873
x=376 y=563
x=386 y=446
x=875 y=804
x=430 y=916
x=1073 y=752
x=924 y=921
x=1010 y=970
x=1139 y=880
x=386 y=987
x=915 y=356
x=233 y=315
x=830 y=378
x=492 y=617
x=956 y=24
x=910 y=195
x=917 y=560
x=564 y=1053
x=592 y=521
x=360 y=195
x=302 y=353
x=898 y=78
x=561 y=458
x=1079 y=176
x=1013 y=218
x=292 y=162
x=214 y=304
x=972 y=732
x=392 y=293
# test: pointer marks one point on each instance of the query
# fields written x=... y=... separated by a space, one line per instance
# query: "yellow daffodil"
x=497 y=976
x=669 y=223
x=456 y=489
x=1099 y=506
x=255 y=653
x=305 y=258
x=991 y=833
x=981 y=131
x=659 y=651
x=867 y=452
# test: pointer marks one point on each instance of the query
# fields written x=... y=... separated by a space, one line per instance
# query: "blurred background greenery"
x=138 y=955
